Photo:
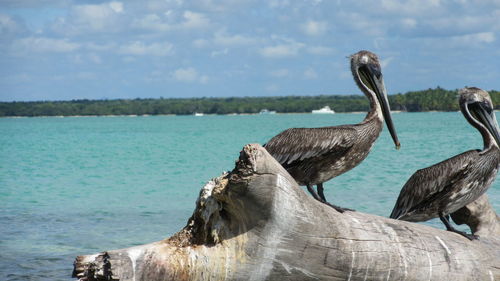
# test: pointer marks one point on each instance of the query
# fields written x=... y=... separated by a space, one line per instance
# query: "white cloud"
x=158 y=5
x=167 y=22
x=411 y=7
x=319 y=50
x=409 y=23
x=17 y=78
x=201 y=43
x=418 y=18
x=153 y=49
x=221 y=38
x=83 y=58
x=116 y=6
x=195 y=20
x=44 y=45
x=459 y=25
x=282 y=50
x=476 y=38
x=280 y=73
x=9 y=25
x=219 y=53
x=151 y=22
x=385 y=62
x=314 y=28
x=279 y=3
x=272 y=88
x=98 y=17
x=359 y=22
x=103 y=17
x=189 y=75
x=221 y=5
x=204 y=79
x=310 y=74
x=99 y=47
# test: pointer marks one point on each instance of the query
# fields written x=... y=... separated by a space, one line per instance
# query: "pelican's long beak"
x=486 y=116
x=372 y=77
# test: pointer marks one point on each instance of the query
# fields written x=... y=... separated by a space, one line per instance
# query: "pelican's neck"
x=488 y=140
x=375 y=112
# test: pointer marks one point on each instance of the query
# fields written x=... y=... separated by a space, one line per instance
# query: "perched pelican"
x=315 y=155
x=445 y=187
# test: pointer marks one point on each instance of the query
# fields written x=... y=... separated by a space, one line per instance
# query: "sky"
x=68 y=49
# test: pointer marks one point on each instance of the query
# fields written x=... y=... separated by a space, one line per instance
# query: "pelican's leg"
x=320 y=189
x=313 y=193
x=449 y=227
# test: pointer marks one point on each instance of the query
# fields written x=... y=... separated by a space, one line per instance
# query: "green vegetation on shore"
x=437 y=99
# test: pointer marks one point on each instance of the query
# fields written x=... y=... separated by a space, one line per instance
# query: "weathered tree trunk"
x=255 y=223
x=480 y=217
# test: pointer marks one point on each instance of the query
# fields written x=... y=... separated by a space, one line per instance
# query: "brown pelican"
x=445 y=187
x=315 y=155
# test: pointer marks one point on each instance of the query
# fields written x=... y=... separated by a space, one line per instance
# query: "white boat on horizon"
x=324 y=110
x=198 y=114
x=265 y=111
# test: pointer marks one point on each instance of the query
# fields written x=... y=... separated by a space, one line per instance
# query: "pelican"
x=313 y=156
x=445 y=187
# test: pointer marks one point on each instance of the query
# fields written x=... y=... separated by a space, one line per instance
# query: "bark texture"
x=256 y=223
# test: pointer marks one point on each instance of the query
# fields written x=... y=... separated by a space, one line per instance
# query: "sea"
x=80 y=185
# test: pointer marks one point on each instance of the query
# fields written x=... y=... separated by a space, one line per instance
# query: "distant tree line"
x=427 y=100
x=437 y=99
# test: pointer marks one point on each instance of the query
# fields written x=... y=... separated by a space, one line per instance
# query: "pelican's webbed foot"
x=321 y=198
x=449 y=227
x=338 y=208
x=468 y=236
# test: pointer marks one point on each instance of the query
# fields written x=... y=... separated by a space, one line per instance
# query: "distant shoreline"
x=209 y=115
x=437 y=99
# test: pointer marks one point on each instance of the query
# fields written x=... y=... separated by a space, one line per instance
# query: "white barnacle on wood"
x=208 y=204
x=210 y=207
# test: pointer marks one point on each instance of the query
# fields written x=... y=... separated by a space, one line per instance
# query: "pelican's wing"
x=425 y=183
x=298 y=144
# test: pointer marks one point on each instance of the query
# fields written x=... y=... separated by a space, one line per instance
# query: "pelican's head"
x=365 y=68
x=478 y=109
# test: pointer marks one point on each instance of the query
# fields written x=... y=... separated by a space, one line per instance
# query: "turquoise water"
x=80 y=185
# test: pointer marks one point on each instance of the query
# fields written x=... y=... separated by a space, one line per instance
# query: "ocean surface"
x=80 y=185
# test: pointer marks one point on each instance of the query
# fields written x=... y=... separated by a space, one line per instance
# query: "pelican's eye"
x=487 y=107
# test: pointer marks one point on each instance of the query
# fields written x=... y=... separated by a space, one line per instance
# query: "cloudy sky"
x=68 y=49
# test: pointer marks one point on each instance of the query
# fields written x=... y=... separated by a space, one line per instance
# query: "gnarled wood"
x=480 y=217
x=255 y=223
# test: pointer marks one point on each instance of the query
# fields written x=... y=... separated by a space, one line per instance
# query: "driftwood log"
x=255 y=223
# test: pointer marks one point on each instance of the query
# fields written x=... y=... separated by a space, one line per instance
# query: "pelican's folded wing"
x=426 y=183
x=299 y=144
